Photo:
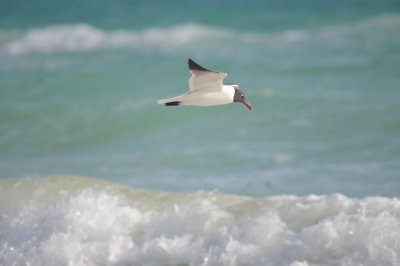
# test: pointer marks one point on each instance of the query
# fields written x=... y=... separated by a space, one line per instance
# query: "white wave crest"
x=76 y=221
x=83 y=37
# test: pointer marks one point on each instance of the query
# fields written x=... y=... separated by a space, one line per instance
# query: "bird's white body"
x=206 y=88
x=204 y=97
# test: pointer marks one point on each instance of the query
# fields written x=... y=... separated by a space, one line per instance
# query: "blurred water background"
x=79 y=82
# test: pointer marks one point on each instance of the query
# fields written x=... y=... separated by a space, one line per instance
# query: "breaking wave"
x=84 y=37
x=78 y=221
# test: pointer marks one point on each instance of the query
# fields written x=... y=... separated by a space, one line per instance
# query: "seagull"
x=206 y=89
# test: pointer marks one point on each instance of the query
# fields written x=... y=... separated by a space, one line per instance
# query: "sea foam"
x=78 y=221
x=85 y=37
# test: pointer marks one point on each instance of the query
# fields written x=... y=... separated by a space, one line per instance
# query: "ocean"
x=94 y=172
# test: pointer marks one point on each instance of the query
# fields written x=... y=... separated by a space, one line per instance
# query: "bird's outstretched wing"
x=203 y=79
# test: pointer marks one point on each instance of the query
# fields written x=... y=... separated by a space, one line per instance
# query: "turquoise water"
x=78 y=93
x=310 y=176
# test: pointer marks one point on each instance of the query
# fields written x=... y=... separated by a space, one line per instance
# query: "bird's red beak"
x=247 y=104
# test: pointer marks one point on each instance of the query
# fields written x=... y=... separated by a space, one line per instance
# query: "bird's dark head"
x=239 y=97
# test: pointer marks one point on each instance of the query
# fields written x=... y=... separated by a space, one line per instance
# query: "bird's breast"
x=209 y=98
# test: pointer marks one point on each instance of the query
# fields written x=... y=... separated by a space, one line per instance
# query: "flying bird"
x=206 y=88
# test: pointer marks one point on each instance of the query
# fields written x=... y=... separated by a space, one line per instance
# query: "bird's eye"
x=242 y=96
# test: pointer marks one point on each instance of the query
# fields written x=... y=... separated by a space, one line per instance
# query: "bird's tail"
x=169 y=102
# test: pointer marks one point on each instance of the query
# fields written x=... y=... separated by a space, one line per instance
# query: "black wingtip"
x=194 y=66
